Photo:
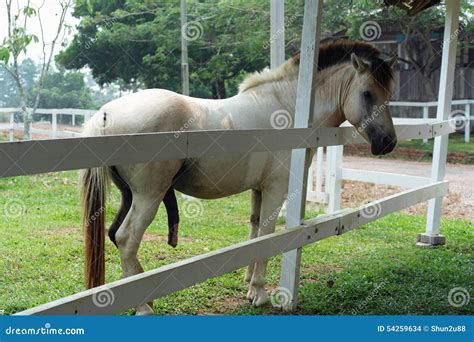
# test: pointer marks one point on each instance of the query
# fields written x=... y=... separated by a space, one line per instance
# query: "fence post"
x=74 y=119
x=301 y=158
x=334 y=177
x=319 y=177
x=54 y=123
x=431 y=237
x=467 y=128
x=426 y=115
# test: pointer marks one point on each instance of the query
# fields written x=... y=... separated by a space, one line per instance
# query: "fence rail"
x=464 y=116
x=39 y=156
x=31 y=157
x=54 y=132
x=145 y=287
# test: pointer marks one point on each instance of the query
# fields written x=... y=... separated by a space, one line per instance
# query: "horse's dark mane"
x=330 y=54
x=339 y=52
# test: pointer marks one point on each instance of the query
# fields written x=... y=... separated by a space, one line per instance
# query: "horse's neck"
x=331 y=89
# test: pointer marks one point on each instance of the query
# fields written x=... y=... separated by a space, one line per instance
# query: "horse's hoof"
x=261 y=298
x=144 y=310
x=251 y=294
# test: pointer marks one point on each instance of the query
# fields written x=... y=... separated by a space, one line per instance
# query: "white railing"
x=53 y=132
x=33 y=157
x=465 y=115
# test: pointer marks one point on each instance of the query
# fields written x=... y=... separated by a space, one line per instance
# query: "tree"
x=9 y=96
x=61 y=89
x=139 y=43
x=17 y=42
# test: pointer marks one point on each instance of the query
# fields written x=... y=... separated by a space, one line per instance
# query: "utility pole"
x=184 y=52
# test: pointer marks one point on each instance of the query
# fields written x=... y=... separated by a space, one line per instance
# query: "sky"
x=50 y=13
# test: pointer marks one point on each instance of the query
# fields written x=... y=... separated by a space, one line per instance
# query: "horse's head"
x=366 y=103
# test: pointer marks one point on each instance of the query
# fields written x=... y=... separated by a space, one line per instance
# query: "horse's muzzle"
x=383 y=145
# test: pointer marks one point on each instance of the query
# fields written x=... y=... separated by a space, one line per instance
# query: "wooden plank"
x=387 y=178
x=49 y=155
x=144 y=287
x=301 y=158
x=68 y=111
x=445 y=95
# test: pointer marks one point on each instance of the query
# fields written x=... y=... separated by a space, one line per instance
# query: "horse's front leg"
x=272 y=200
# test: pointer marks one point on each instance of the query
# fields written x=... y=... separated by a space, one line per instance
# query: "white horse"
x=354 y=84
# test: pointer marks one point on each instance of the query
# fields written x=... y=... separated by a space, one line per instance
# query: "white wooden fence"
x=461 y=115
x=32 y=157
x=13 y=126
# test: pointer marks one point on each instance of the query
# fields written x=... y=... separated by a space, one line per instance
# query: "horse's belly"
x=221 y=177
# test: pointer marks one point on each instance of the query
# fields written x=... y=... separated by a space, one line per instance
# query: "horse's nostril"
x=387 y=141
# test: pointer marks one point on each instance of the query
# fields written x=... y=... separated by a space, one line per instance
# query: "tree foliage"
x=138 y=42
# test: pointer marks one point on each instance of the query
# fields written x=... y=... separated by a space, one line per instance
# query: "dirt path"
x=459 y=203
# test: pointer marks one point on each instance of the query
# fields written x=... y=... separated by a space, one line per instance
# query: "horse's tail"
x=93 y=184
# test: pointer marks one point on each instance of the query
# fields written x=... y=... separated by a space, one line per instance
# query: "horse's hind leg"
x=148 y=184
x=254 y=223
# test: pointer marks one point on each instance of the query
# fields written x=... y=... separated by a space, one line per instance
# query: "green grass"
x=456 y=144
x=376 y=269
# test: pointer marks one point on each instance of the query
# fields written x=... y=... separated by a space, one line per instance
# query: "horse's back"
x=146 y=111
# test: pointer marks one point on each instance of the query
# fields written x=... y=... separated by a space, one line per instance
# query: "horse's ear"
x=391 y=61
x=358 y=63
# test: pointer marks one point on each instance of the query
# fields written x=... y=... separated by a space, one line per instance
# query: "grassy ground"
x=456 y=144
x=373 y=270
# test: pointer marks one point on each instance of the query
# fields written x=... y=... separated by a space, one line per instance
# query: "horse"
x=353 y=83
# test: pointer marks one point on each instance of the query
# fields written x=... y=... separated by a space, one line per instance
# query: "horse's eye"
x=367 y=94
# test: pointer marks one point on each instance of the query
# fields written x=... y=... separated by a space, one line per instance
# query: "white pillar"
x=334 y=177
x=300 y=158
x=426 y=111
x=54 y=123
x=277 y=33
x=431 y=237
x=467 y=128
